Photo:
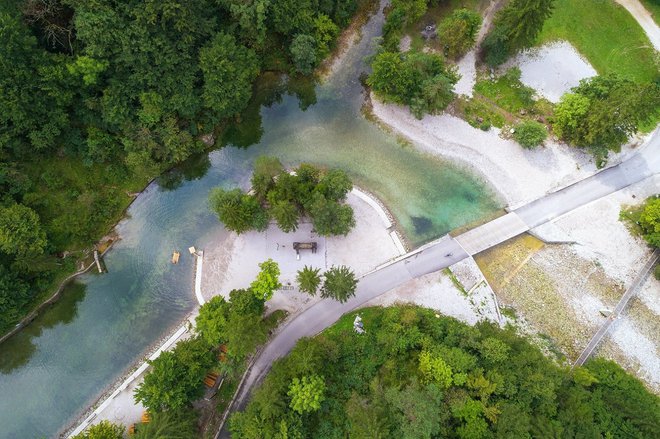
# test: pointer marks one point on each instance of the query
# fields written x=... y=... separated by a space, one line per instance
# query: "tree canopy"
x=175 y=379
x=309 y=280
x=602 y=112
x=339 y=284
x=515 y=27
x=286 y=197
x=458 y=32
x=413 y=374
x=420 y=80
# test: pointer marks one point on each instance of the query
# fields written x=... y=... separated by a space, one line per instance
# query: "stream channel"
x=60 y=363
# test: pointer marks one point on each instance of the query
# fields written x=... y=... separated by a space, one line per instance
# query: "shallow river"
x=61 y=362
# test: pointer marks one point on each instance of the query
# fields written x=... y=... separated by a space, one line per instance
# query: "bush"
x=420 y=80
x=530 y=134
x=458 y=32
x=649 y=221
x=656 y=271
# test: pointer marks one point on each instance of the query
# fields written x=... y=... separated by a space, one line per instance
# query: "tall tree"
x=239 y=212
x=515 y=27
x=229 y=70
x=339 y=284
x=175 y=379
x=267 y=280
x=309 y=280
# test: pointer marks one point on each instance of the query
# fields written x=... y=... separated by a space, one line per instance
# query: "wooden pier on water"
x=98 y=262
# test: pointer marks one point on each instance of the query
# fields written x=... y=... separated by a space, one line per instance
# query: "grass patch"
x=502 y=101
x=629 y=215
x=606 y=34
x=345 y=323
x=653 y=6
x=507 y=91
x=78 y=204
x=481 y=114
x=457 y=283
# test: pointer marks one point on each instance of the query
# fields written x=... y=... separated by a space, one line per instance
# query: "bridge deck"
x=492 y=233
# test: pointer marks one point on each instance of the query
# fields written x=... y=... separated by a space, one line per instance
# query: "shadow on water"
x=193 y=168
x=269 y=90
x=21 y=347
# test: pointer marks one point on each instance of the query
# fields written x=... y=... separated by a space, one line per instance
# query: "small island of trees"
x=286 y=197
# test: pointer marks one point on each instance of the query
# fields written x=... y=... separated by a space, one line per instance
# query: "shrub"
x=420 y=80
x=458 y=32
x=530 y=134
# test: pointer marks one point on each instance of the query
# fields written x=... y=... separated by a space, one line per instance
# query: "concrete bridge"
x=448 y=251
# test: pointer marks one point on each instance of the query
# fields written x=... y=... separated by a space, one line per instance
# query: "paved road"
x=630 y=292
x=448 y=251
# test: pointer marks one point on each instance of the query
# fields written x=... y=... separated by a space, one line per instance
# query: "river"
x=58 y=365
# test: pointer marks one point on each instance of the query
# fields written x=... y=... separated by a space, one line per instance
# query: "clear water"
x=62 y=361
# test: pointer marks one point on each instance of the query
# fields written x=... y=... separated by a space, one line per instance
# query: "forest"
x=101 y=96
x=417 y=374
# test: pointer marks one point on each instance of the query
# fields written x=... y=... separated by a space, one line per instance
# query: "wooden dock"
x=98 y=262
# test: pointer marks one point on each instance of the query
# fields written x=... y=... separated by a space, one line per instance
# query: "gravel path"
x=644 y=19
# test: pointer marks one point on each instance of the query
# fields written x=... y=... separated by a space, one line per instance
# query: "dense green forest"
x=416 y=374
x=100 y=96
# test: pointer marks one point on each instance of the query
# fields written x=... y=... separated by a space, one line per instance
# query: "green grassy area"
x=653 y=6
x=606 y=34
x=501 y=101
x=457 y=283
x=507 y=91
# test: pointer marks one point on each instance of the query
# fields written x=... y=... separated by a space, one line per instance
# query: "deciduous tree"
x=267 y=280
x=229 y=69
x=20 y=231
x=307 y=393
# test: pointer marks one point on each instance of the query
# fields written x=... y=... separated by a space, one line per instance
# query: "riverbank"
x=106 y=243
x=517 y=175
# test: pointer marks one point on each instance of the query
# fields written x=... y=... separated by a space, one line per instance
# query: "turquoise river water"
x=59 y=364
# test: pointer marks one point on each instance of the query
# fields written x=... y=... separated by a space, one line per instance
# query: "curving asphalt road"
x=447 y=251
